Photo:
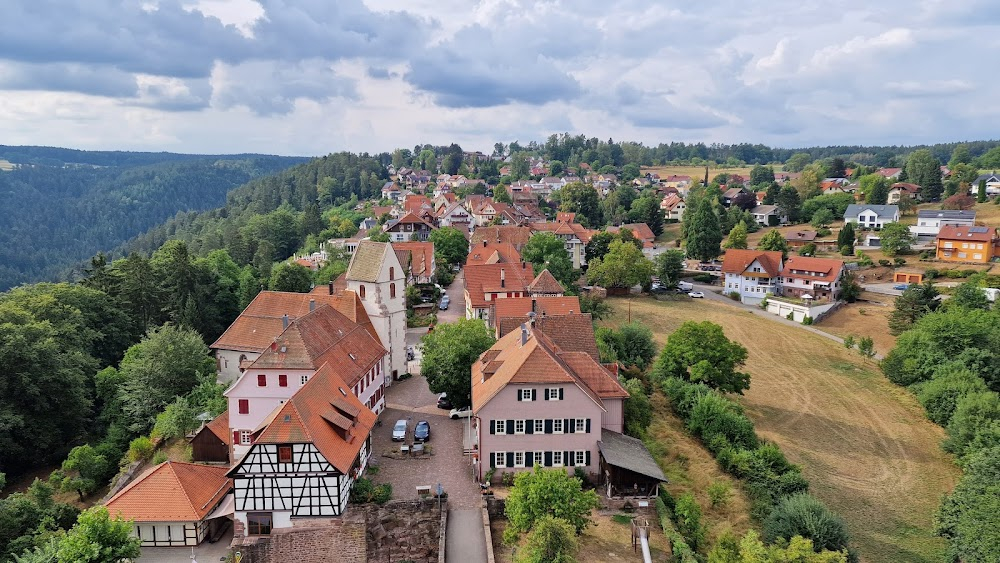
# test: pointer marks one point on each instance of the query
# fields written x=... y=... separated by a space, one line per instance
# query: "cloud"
x=68 y=77
x=933 y=88
x=268 y=88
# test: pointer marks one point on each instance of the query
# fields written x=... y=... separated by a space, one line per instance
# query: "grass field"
x=869 y=317
x=698 y=172
x=864 y=444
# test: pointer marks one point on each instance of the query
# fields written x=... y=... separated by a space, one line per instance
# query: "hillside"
x=62 y=206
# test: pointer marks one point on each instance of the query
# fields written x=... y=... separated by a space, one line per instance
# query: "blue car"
x=422 y=432
x=901 y=287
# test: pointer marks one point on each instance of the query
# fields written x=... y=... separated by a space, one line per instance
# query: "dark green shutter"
x=493 y=427
x=571 y=428
x=510 y=459
x=534 y=394
x=566 y=458
x=548 y=459
x=548 y=425
x=560 y=393
x=529 y=426
x=566 y=425
x=588 y=457
x=510 y=426
x=529 y=459
x=493 y=459
x=588 y=426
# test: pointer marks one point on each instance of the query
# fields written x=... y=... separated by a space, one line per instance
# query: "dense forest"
x=58 y=214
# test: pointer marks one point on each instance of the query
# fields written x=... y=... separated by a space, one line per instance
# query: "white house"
x=871 y=216
x=753 y=274
x=992 y=185
x=379 y=280
x=814 y=279
x=455 y=215
x=306 y=459
x=768 y=215
x=673 y=207
x=930 y=221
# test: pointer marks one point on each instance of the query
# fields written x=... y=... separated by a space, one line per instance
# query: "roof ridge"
x=180 y=485
x=556 y=352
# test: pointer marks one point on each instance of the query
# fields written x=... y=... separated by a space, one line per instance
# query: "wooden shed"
x=627 y=468
x=211 y=443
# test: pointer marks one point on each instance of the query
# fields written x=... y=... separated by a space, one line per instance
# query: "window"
x=553 y=394
x=965 y=245
x=258 y=523
x=499 y=459
x=282 y=380
x=557 y=459
x=304 y=379
x=539 y=459
x=518 y=427
x=581 y=425
x=245 y=437
x=284 y=454
x=501 y=426
x=557 y=426
x=581 y=458
x=392 y=273
x=525 y=394
x=361 y=291
x=261 y=380
x=244 y=406
x=392 y=290
x=539 y=426
x=977 y=256
x=518 y=459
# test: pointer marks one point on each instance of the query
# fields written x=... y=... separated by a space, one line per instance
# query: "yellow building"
x=967 y=244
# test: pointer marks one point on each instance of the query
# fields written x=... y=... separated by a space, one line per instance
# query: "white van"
x=685 y=286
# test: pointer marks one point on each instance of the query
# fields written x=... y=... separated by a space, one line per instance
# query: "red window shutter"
x=282 y=380
x=236 y=436
x=261 y=380
x=244 y=406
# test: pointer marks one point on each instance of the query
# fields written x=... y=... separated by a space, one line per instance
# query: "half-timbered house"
x=304 y=462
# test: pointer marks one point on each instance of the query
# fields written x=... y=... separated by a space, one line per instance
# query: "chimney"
x=485 y=243
x=524 y=265
x=503 y=280
x=284 y=321
x=524 y=334
x=331 y=287
x=312 y=305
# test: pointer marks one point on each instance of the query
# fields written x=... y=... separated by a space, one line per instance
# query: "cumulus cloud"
x=68 y=77
x=269 y=88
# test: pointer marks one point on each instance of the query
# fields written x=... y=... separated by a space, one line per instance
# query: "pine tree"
x=774 y=240
x=703 y=232
x=737 y=236
x=846 y=238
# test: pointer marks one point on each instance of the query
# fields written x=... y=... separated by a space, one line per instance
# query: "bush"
x=714 y=416
x=930 y=273
x=845 y=250
x=807 y=320
x=682 y=552
x=807 y=249
x=551 y=540
x=734 y=295
x=719 y=493
x=790 y=316
x=849 y=341
x=704 y=278
x=688 y=516
x=940 y=395
x=140 y=449
x=897 y=262
x=159 y=457
x=883 y=262
x=382 y=493
x=803 y=515
x=974 y=413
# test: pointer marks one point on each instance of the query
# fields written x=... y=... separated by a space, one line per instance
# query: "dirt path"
x=863 y=443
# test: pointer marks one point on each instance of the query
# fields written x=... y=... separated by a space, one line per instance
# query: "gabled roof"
x=413 y=203
x=538 y=360
x=220 y=427
x=733 y=192
x=517 y=236
x=628 y=453
x=889 y=172
x=421 y=256
x=492 y=253
x=736 y=261
x=483 y=278
x=172 y=491
x=324 y=336
x=822 y=269
x=565 y=228
x=906 y=187
x=883 y=211
x=671 y=201
x=966 y=215
x=323 y=412
x=571 y=330
x=764 y=210
x=545 y=282
x=512 y=311
x=409 y=219
x=366 y=263
x=261 y=321
x=964 y=233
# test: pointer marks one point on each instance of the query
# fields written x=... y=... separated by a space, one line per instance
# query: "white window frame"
x=499 y=459
x=539 y=426
x=245 y=436
x=581 y=426
x=500 y=429
x=519 y=427
x=518 y=459
x=539 y=459
x=303 y=379
x=581 y=458
x=558 y=421
x=524 y=394
x=557 y=459
x=551 y=393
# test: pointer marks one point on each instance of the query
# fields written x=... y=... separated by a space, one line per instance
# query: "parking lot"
x=412 y=401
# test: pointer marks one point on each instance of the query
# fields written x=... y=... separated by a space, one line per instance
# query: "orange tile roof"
x=572 y=332
x=259 y=324
x=517 y=236
x=519 y=307
x=421 y=256
x=827 y=269
x=492 y=253
x=978 y=234
x=172 y=492
x=220 y=427
x=576 y=229
x=538 y=360
x=412 y=203
x=640 y=230
x=320 y=337
x=545 y=282
x=325 y=413
x=483 y=278
x=736 y=261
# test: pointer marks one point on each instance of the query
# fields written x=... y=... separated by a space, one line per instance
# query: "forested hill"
x=62 y=206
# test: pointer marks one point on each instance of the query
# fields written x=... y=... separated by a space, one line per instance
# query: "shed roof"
x=628 y=453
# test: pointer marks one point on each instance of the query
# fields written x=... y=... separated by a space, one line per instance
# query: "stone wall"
x=396 y=531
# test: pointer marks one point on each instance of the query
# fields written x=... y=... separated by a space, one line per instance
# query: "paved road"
x=465 y=542
x=457 y=294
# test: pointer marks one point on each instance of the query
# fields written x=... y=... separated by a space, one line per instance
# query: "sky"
x=310 y=77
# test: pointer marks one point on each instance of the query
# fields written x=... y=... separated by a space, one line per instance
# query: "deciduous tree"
x=669 y=267
x=547 y=492
x=99 y=538
x=291 y=277
x=545 y=250
x=700 y=352
x=896 y=238
x=969 y=518
x=551 y=540
x=448 y=354
x=737 y=236
x=915 y=302
x=623 y=266
x=774 y=240
x=450 y=245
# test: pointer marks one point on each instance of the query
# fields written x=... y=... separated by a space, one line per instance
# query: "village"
x=325 y=389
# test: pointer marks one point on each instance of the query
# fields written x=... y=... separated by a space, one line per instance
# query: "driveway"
x=456 y=293
x=448 y=465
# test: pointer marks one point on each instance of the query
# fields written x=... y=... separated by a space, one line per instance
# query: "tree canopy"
x=700 y=352
x=774 y=240
x=547 y=492
x=896 y=238
x=450 y=245
x=623 y=266
x=448 y=354
x=703 y=234
x=669 y=267
x=547 y=251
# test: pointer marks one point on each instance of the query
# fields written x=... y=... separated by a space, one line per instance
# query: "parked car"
x=422 y=431
x=410 y=353
x=443 y=402
x=685 y=286
x=399 y=431
x=464 y=412
x=445 y=302
x=901 y=286
x=696 y=294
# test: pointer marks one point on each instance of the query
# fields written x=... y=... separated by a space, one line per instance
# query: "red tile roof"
x=484 y=278
x=823 y=269
x=736 y=261
x=546 y=283
x=172 y=492
x=324 y=336
x=492 y=253
x=978 y=234
x=519 y=307
x=220 y=427
x=421 y=256
x=259 y=324
x=516 y=236
x=325 y=413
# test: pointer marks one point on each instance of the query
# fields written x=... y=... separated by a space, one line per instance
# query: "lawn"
x=864 y=444
x=866 y=317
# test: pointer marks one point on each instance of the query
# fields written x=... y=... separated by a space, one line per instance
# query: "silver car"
x=399 y=431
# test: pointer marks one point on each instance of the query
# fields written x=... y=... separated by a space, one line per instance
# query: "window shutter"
x=548 y=459
x=282 y=380
x=588 y=457
x=588 y=426
x=510 y=459
x=510 y=426
x=568 y=461
x=529 y=426
x=529 y=459
x=493 y=427
x=560 y=393
x=571 y=426
x=236 y=436
x=534 y=394
x=261 y=380
x=244 y=406
x=493 y=459
x=548 y=425
x=566 y=422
